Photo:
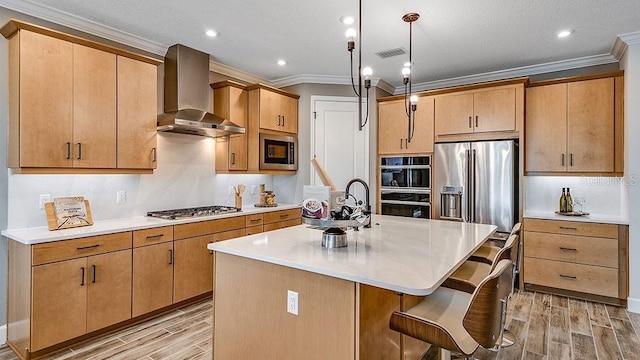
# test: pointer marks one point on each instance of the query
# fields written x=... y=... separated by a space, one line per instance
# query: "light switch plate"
x=44 y=198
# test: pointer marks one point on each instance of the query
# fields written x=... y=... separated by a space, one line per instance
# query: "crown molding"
x=623 y=42
x=91 y=27
x=512 y=73
x=327 y=79
x=237 y=74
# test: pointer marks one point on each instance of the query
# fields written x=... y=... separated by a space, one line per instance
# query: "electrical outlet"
x=292 y=302
x=253 y=189
x=44 y=198
x=121 y=197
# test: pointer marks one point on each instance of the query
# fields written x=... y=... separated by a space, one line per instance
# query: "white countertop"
x=594 y=218
x=30 y=236
x=411 y=256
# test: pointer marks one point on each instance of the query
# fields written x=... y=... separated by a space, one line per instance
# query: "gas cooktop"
x=192 y=212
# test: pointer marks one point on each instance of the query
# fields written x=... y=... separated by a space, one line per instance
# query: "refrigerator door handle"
x=468 y=189
x=472 y=186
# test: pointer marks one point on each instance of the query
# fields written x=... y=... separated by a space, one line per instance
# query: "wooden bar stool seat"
x=458 y=321
x=487 y=252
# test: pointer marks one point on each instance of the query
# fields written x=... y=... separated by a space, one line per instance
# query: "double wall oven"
x=405 y=186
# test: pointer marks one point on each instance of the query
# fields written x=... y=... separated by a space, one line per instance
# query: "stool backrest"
x=508 y=251
x=484 y=317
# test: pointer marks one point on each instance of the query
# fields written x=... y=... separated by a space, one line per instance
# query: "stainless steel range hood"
x=186 y=96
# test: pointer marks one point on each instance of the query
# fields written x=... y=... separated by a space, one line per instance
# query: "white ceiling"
x=452 y=38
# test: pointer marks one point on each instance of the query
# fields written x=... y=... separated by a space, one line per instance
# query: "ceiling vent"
x=391 y=52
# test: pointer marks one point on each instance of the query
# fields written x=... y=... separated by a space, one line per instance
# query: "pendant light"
x=410 y=100
x=362 y=73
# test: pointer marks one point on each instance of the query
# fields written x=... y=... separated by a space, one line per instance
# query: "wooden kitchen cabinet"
x=275 y=109
x=575 y=126
x=477 y=111
x=585 y=260
x=85 y=288
x=193 y=270
x=393 y=127
x=230 y=102
x=152 y=276
x=75 y=104
x=275 y=220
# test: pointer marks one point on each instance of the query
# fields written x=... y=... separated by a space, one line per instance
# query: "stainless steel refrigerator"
x=477 y=182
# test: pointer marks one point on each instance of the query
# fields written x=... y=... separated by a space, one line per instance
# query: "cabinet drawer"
x=231 y=234
x=281 y=215
x=282 y=224
x=200 y=228
x=254 y=229
x=569 y=248
x=254 y=220
x=71 y=249
x=572 y=228
x=152 y=236
x=575 y=277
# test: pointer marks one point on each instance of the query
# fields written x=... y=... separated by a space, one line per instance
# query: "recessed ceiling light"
x=211 y=33
x=564 y=33
x=347 y=19
x=282 y=62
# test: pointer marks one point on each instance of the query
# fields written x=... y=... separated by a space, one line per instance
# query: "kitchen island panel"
x=251 y=318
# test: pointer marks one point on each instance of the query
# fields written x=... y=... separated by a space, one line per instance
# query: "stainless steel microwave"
x=278 y=152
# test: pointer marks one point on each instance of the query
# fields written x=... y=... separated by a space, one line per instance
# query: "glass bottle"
x=569 y=201
x=563 y=201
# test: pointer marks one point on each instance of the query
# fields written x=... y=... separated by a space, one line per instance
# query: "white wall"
x=185 y=177
x=631 y=65
x=603 y=195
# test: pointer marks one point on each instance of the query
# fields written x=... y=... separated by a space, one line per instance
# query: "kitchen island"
x=342 y=296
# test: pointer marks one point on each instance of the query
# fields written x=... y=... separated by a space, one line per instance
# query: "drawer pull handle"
x=255 y=220
x=82 y=276
x=567 y=249
x=170 y=257
x=88 y=247
x=569 y=277
x=284 y=216
x=210 y=251
x=149 y=237
x=568 y=228
x=94 y=273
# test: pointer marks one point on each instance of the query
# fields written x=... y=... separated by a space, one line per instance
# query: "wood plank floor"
x=546 y=326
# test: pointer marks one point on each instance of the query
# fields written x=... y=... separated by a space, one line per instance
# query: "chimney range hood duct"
x=186 y=96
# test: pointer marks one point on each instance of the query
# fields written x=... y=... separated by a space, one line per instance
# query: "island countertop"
x=411 y=256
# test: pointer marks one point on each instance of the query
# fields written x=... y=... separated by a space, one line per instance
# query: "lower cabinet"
x=60 y=291
x=376 y=306
x=586 y=260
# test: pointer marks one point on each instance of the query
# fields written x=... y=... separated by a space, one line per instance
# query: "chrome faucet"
x=367 y=204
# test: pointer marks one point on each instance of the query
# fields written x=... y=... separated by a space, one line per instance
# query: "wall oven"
x=405 y=186
x=278 y=152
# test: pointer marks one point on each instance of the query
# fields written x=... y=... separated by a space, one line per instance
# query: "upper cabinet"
x=230 y=102
x=486 y=110
x=275 y=109
x=575 y=126
x=75 y=104
x=393 y=127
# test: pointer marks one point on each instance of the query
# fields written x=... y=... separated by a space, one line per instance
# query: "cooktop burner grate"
x=192 y=212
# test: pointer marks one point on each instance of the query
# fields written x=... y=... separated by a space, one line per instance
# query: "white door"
x=338 y=144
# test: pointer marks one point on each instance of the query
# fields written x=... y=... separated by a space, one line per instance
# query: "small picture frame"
x=68 y=212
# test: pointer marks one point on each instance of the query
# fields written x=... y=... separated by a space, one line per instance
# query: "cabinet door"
x=193 y=268
x=46 y=101
x=270 y=117
x=94 y=108
x=109 y=289
x=137 y=114
x=453 y=114
x=289 y=114
x=422 y=141
x=392 y=127
x=546 y=128
x=152 y=278
x=494 y=110
x=238 y=143
x=590 y=125
x=59 y=308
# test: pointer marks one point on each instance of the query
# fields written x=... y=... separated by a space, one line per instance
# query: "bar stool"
x=487 y=252
x=457 y=321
